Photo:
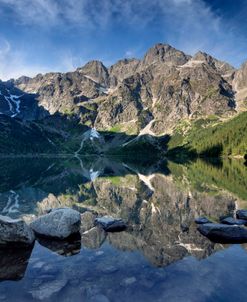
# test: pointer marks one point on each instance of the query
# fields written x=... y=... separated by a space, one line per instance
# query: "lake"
x=160 y=257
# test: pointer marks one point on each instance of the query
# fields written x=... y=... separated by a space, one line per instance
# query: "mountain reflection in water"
x=160 y=254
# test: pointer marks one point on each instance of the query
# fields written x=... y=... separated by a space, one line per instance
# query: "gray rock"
x=93 y=238
x=109 y=269
x=87 y=221
x=224 y=233
x=110 y=224
x=15 y=231
x=202 y=220
x=232 y=221
x=241 y=214
x=59 y=223
x=129 y=281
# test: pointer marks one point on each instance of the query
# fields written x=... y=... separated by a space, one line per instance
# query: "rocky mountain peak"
x=164 y=53
x=122 y=69
x=223 y=68
x=96 y=71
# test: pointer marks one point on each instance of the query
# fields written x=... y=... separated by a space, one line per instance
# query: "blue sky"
x=60 y=35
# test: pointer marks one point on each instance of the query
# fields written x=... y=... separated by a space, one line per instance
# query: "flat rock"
x=232 y=221
x=202 y=220
x=241 y=214
x=110 y=224
x=224 y=233
x=59 y=223
x=15 y=231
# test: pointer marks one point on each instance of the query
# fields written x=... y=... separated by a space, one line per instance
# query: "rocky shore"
x=57 y=224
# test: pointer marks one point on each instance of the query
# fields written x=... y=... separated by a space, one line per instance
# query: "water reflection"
x=155 y=259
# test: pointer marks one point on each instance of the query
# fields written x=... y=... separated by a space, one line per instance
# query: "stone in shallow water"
x=202 y=220
x=232 y=221
x=99 y=298
x=15 y=232
x=109 y=269
x=59 y=223
x=224 y=233
x=110 y=224
x=241 y=214
x=128 y=281
x=93 y=238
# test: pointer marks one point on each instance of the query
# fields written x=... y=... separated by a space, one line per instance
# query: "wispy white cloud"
x=13 y=63
x=190 y=25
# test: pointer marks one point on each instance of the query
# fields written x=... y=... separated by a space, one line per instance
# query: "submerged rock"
x=110 y=224
x=241 y=214
x=224 y=233
x=99 y=298
x=202 y=220
x=59 y=223
x=47 y=289
x=13 y=263
x=67 y=247
x=15 y=231
x=232 y=221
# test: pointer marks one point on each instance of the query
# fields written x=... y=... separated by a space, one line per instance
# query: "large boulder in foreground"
x=59 y=223
x=15 y=232
x=110 y=224
x=223 y=233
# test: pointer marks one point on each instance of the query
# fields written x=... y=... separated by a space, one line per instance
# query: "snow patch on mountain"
x=13 y=102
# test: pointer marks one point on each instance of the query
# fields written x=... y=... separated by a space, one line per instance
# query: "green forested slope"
x=226 y=138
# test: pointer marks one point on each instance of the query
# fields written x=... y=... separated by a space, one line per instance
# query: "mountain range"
x=161 y=100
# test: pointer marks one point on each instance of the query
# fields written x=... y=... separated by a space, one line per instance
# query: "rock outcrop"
x=15 y=232
x=59 y=223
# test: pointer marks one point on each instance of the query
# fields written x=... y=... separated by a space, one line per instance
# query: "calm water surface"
x=161 y=256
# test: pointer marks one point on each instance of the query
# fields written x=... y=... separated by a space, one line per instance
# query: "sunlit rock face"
x=164 y=86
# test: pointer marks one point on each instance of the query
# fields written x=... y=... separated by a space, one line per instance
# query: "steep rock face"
x=96 y=71
x=240 y=86
x=164 y=53
x=126 y=103
x=147 y=96
x=122 y=69
x=168 y=86
x=61 y=92
x=16 y=103
x=241 y=76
